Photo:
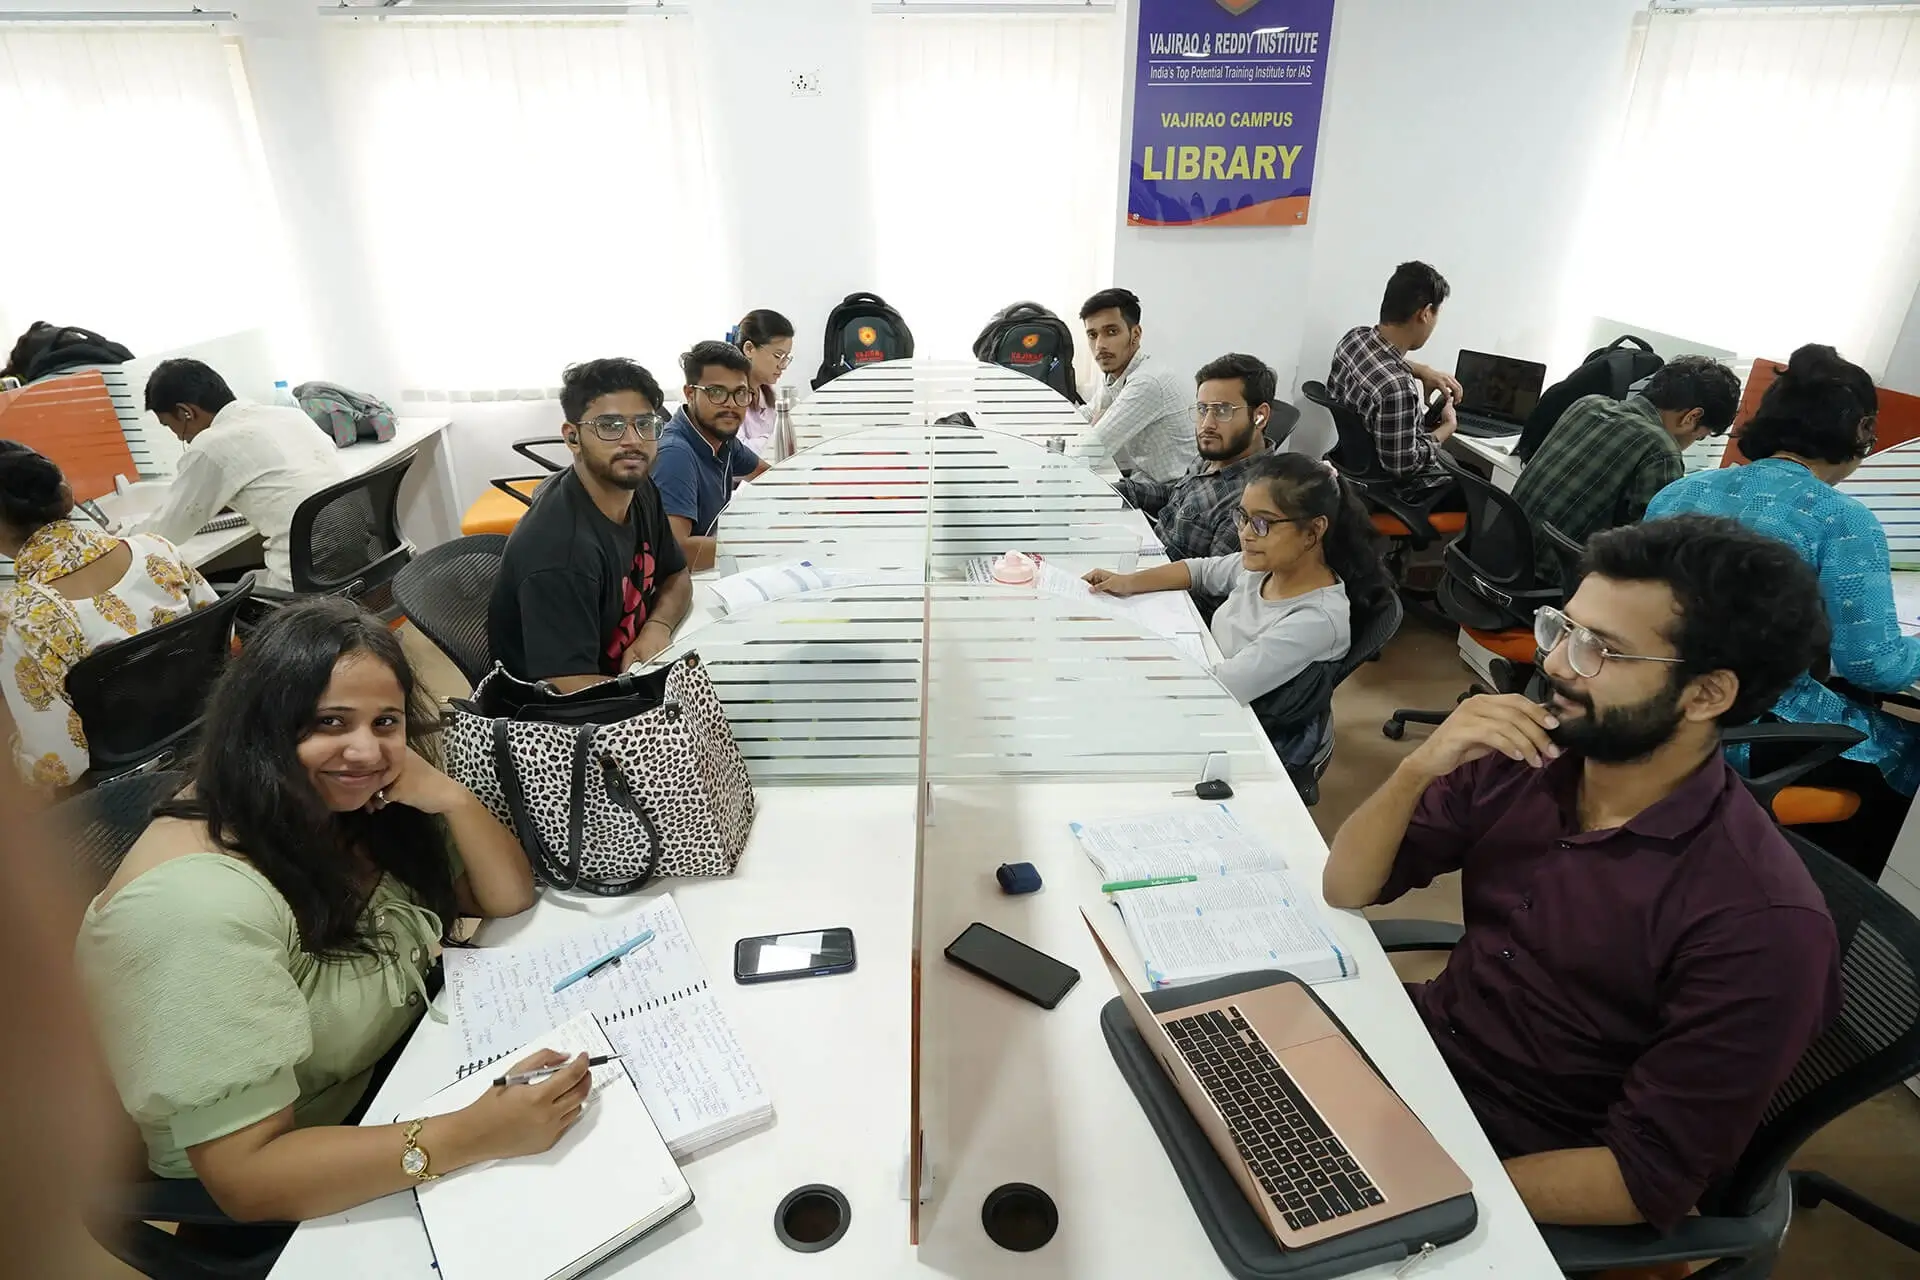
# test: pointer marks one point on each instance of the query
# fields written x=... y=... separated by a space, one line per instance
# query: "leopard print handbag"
x=612 y=785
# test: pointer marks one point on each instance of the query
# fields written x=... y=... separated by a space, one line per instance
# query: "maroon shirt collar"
x=1670 y=820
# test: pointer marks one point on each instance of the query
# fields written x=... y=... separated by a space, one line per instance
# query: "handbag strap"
x=622 y=795
x=564 y=875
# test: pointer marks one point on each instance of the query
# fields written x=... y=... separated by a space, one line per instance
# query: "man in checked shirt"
x=1140 y=415
x=1371 y=373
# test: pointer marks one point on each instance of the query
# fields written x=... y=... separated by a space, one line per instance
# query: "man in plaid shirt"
x=1605 y=458
x=1371 y=374
x=1194 y=514
x=1139 y=414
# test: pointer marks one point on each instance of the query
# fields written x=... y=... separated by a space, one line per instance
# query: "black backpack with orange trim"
x=1030 y=339
x=862 y=329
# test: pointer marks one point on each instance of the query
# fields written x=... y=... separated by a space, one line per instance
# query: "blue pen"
x=587 y=971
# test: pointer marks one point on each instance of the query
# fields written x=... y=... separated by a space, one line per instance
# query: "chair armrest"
x=1871 y=697
x=505 y=485
x=1824 y=742
x=1583 y=1249
x=1416 y=935
x=525 y=448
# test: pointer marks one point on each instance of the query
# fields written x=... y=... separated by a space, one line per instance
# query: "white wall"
x=1903 y=366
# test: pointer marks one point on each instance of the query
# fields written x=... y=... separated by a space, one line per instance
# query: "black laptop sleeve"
x=1246 y=1248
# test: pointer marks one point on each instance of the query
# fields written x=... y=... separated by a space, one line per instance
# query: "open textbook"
x=655 y=1005
x=1241 y=911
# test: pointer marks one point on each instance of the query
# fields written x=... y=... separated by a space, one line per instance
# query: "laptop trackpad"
x=1380 y=1130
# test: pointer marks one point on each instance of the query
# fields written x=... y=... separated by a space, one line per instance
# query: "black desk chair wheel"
x=1873 y=1045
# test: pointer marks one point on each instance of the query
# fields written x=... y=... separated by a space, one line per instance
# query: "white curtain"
x=135 y=201
x=532 y=194
x=995 y=146
x=1765 y=191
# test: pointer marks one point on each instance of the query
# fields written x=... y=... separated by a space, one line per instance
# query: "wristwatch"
x=414 y=1159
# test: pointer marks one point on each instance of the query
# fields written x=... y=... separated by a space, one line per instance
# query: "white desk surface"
x=358 y=459
x=915 y=392
x=1016 y=1093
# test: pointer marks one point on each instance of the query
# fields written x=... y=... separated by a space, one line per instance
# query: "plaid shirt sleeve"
x=1400 y=435
x=1148 y=425
x=1656 y=471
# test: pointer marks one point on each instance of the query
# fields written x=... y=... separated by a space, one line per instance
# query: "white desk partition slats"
x=1888 y=482
x=916 y=392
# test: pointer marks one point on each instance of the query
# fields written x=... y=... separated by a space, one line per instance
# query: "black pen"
x=540 y=1074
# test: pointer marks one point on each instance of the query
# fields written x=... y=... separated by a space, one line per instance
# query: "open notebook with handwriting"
x=656 y=1006
x=608 y=1181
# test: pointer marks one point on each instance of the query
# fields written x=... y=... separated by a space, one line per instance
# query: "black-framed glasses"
x=739 y=397
x=1261 y=525
x=1218 y=412
x=613 y=426
x=1586 y=652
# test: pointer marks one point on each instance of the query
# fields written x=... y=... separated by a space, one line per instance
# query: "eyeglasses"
x=612 y=426
x=1223 y=412
x=739 y=397
x=781 y=358
x=1261 y=525
x=1586 y=652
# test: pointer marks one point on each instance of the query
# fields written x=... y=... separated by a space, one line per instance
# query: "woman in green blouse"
x=267 y=939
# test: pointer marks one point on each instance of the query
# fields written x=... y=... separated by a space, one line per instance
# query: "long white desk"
x=916 y=392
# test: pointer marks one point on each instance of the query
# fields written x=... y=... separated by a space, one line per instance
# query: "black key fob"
x=1213 y=789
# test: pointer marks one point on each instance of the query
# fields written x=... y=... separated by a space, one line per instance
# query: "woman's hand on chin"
x=419 y=785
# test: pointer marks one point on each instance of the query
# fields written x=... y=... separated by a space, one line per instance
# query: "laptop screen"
x=1499 y=386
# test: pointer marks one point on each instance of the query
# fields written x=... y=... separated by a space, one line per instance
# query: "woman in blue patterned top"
x=1813 y=428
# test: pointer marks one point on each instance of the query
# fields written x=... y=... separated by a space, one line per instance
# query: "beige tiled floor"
x=1875 y=1149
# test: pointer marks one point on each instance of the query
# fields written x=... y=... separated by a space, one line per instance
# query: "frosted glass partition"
x=1888 y=482
x=877 y=497
x=916 y=392
x=1023 y=684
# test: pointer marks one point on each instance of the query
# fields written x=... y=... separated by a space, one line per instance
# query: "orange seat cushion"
x=1442 y=521
x=1805 y=806
x=1515 y=645
x=495 y=512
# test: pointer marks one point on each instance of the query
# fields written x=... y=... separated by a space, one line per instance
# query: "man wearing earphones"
x=1193 y=513
x=593 y=580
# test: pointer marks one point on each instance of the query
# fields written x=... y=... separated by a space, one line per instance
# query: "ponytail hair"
x=1820 y=406
x=1304 y=488
x=32 y=490
x=760 y=327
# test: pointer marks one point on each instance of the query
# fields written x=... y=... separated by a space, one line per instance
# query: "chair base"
x=1813 y=1189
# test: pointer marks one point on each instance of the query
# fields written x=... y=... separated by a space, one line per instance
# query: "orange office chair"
x=1408 y=526
x=1491 y=591
x=499 y=509
x=1790 y=804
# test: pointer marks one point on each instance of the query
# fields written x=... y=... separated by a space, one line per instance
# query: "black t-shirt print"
x=573 y=583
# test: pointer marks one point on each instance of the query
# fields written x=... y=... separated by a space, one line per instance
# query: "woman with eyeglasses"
x=766 y=339
x=1306 y=568
x=1812 y=430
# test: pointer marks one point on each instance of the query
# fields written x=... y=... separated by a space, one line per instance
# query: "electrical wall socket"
x=803 y=84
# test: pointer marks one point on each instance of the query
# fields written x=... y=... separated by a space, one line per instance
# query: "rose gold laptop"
x=1319 y=1144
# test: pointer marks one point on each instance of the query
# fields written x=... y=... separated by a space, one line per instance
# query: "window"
x=135 y=201
x=532 y=193
x=994 y=145
x=1765 y=189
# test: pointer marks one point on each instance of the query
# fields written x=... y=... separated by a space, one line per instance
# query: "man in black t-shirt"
x=592 y=580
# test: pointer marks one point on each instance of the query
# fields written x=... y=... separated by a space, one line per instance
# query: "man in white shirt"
x=261 y=460
x=1140 y=419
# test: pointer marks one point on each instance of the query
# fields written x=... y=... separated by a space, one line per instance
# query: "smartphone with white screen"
x=812 y=953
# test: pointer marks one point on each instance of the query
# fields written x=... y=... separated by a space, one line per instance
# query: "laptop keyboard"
x=1292 y=1152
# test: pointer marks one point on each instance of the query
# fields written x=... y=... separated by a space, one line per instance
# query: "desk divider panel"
x=916 y=392
x=1888 y=482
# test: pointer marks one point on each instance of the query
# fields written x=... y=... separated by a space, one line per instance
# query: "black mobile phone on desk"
x=811 y=953
x=1010 y=963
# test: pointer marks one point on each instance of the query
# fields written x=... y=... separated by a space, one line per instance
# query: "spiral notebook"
x=656 y=1007
x=608 y=1181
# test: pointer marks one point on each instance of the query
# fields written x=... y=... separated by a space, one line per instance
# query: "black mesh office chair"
x=141 y=699
x=1491 y=591
x=100 y=826
x=1280 y=423
x=445 y=591
x=1309 y=695
x=1413 y=525
x=1872 y=1046
x=345 y=540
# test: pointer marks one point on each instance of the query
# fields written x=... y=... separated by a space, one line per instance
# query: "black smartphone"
x=811 y=953
x=1012 y=964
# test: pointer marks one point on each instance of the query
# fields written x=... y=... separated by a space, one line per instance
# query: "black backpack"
x=1028 y=338
x=863 y=329
x=1610 y=371
x=50 y=348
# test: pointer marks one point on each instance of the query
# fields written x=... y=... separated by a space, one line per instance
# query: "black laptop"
x=1497 y=393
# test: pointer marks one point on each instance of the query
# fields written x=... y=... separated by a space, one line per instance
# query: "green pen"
x=1154 y=883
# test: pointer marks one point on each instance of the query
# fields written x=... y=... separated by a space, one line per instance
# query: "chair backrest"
x=1308 y=694
x=1280 y=424
x=346 y=538
x=141 y=698
x=1354 y=453
x=1872 y=1045
x=102 y=824
x=444 y=592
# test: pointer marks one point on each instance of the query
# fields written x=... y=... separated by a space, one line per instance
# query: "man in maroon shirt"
x=1645 y=956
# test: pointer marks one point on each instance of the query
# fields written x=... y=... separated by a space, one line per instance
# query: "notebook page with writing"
x=656 y=1006
x=609 y=1180
x=1231 y=924
x=1204 y=840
